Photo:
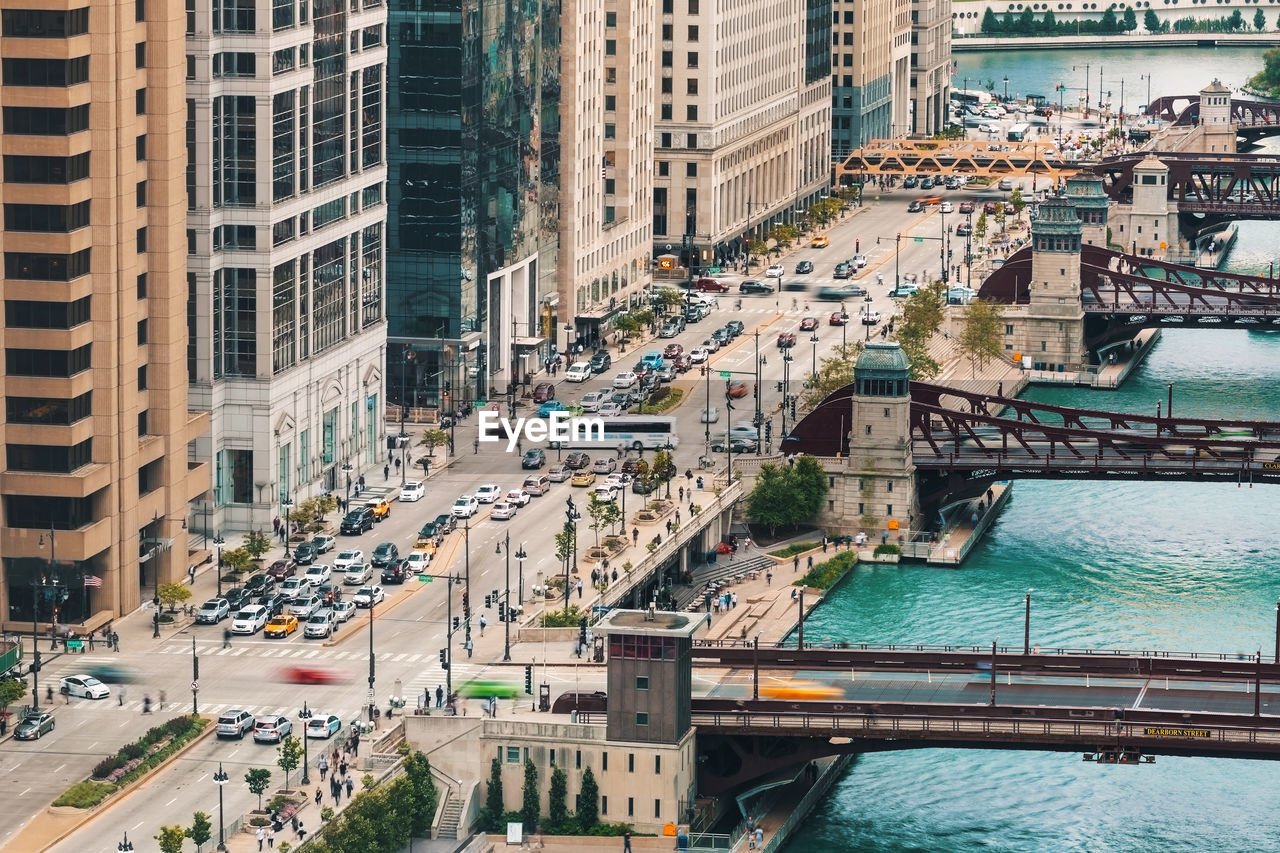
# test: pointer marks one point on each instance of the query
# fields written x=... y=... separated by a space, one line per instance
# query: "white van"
x=579 y=371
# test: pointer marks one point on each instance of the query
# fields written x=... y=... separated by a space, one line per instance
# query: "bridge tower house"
x=1219 y=133
x=876 y=490
x=1084 y=190
x=1053 y=333
x=1149 y=224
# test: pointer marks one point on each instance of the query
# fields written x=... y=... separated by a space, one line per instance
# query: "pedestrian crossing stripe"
x=277 y=651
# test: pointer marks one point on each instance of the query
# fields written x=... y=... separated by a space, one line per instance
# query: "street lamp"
x=521 y=556
x=36 y=585
x=346 y=469
x=126 y=845
x=814 y=340
x=572 y=516
x=304 y=715
x=844 y=326
x=286 y=505
x=667 y=474
x=218 y=542
x=371 y=661
x=506 y=612
x=220 y=779
x=1006 y=88
x=1026 y=626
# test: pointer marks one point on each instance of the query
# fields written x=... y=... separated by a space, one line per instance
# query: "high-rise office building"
x=100 y=460
x=473 y=157
x=286 y=212
x=743 y=132
x=870 y=72
x=930 y=65
x=606 y=191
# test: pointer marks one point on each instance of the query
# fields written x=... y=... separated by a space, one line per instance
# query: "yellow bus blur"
x=804 y=691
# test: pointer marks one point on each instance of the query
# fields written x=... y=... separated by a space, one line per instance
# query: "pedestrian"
x=162 y=698
x=795 y=563
x=579 y=587
x=90 y=641
x=115 y=642
x=386 y=472
x=146 y=704
x=760 y=837
x=294 y=823
x=323 y=766
x=622 y=448
x=226 y=638
x=475 y=446
x=271 y=838
x=635 y=536
x=261 y=835
x=191 y=574
x=302 y=831
x=120 y=696
x=824 y=543
x=699 y=484
x=768 y=578
x=483 y=624
x=809 y=565
x=335 y=789
x=439 y=698
x=733 y=601
x=626 y=842
x=470 y=646
x=682 y=494
x=318 y=797
x=351 y=785
x=668 y=527
x=677 y=517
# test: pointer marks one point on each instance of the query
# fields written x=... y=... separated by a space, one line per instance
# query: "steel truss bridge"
x=1253 y=119
x=1237 y=186
x=953 y=156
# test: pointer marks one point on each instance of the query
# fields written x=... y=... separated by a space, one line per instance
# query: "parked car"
x=33 y=726
x=412 y=491
x=804 y=267
x=271 y=729
x=213 y=611
x=910 y=182
x=600 y=361
x=558 y=473
x=543 y=391
x=357 y=521
x=583 y=478
x=234 y=724
x=280 y=626
x=579 y=371
x=604 y=465
x=381 y=510
x=734 y=328
x=281 y=569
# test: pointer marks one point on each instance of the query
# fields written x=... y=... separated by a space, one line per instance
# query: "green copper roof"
x=884 y=359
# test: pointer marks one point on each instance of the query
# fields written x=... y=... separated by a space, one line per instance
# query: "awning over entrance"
x=530 y=343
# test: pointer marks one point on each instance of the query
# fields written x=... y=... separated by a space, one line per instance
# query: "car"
x=710 y=415
x=356 y=522
x=966 y=207
x=281 y=569
x=558 y=473
x=611 y=409
x=722 y=336
x=213 y=611
x=600 y=361
x=383 y=554
x=652 y=360
x=280 y=626
x=774 y=271
x=249 y=620
x=381 y=509
x=699 y=355
x=502 y=511
x=519 y=497
x=417 y=562
x=311 y=675
x=808 y=324
x=914 y=206
x=840 y=293
x=324 y=544
x=304 y=605
x=323 y=726
x=465 y=506
x=672 y=351
x=786 y=340
x=820 y=241
x=837 y=318
x=294 y=586
x=317 y=574
x=236 y=596
x=927 y=182
x=550 y=406
x=669 y=330
x=1005 y=184
x=625 y=379
x=412 y=491
x=33 y=726
x=272 y=602
x=272 y=729
x=734 y=328
x=259 y=584
x=347 y=559
x=445 y=523
x=543 y=391
x=606 y=492
x=713 y=343
x=964 y=229
x=304 y=553
x=735 y=445
x=343 y=610
x=736 y=390
x=235 y=723
x=358 y=574
x=590 y=402
x=870 y=318
x=583 y=478
x=903 y=290
x=804 y=267
x=711 y=285
x=989 y=207
x=320 y=624
x=947 y=207
x=858 y=261
x=367 y=596
x=842 y=270
x=605 y=465
x=534 y=457
x=751 y=286
x=577 y=460
x=579 y=371
x=84 y=685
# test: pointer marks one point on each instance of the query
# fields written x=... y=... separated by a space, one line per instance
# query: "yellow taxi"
x=820 y=242
x=583 y=478
x=281 y=626
x=381 y=509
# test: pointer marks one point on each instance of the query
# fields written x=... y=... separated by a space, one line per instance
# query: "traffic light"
x=488 y=602
x=793 y=407
x=582 y=630
x=779 y=386
x=456 y=623
x=444 y=658
x=528 y=679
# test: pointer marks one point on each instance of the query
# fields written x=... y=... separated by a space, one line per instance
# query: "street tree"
x=173 y=594
x=982 y=337
x=597 y=511
x=531 y=796
x=288 y=756
x=433 y=438
x=809 y=482
x=493 y=803
x=922 y=311
x=588 y=800
x=201 y=829
x=325 y=504
x=669 y=298
x=1130 y=20
x=990 y=23
x=304 y=513
x=1259 y=20
x=1017 y=202
x=170 y=839
x=423 y=794
x=1151 y=21
x=1050 y=25
x=1108 y=25
x=756 y=249
x=557 y=799
x=1236 y=21
x=237 y=559
x=1026 y=21
x=834 y=372
x=1000 y=215
x=256 y=543
x=980 y=227
x=258 y=779
x=919 y=362
x=784 y=234
x=11 y=690
x=769 y=502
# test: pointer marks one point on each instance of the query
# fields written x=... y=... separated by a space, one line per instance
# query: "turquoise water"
x=1180 y=566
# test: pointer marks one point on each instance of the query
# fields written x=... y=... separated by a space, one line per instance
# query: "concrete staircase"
x=723 y=568
x=451 y=818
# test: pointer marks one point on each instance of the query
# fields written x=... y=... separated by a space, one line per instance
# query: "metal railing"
x=986 y=650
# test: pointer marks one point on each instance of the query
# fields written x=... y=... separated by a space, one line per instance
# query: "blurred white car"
x=488 y=493
x=502 y=511
x=519 y=497
x=412 y=491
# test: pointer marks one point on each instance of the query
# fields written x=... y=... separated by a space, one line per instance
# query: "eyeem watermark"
x=560 y=427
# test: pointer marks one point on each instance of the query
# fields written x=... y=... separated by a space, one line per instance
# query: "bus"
x=1019 y=132
x=635 y=432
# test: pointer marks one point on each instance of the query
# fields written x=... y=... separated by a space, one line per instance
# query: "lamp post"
x=521 y=556
x=813 y=376
x=667 y=474
x=286 y=504
x=372 y=605
x=1006 y=88
x=1026 y=626
x=218 y=543
x=844 y=326
x=571 y=525
x=505 y=613
x=304 y=715
x=1147 y=77
x=466 y=593
x=125 y=845
x=195 y=677
x=346 y=469
x=1086 y=89
x=409 y=357
x=220 y=779
x=44 y=581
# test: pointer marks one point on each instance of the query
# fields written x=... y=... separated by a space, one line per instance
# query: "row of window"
x=691 y=59
x=46 y=121
x=50 y=411
x=50 y=458
x=690 y=88
x=44 y=23
x=51 y=218
x=27 y=314
x=43 y=362
x=32 y=266
x=20 y=169
x=668 y=32
x=45 y=72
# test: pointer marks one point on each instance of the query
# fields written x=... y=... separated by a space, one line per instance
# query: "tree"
x=834 y=372
x=493 y=803
x=980 y=227
x=11 y=690
x=256 y=543
x=1130 y=20
x=809 y=482
x=557 y=809
x=201 y=829
x=770 y=499
x=424 y=798
x=783 y=234
x=922 y=364
x=564 y=542
x=1108 y=25
x=588 y=800
x=325 y=504
x=237 y=559
x=258 y=779
x=757 y=249
x=598 y=511
x=1268 y=79
x=288 y=755
x=530 y=803
x=1236 y=21
x=170 y=839
x=982 y=337
x=1151 y=21
x=172 y=594
x=1000 y=215
x=1026 y=21
x=990 y=24
x=1050 y=24
x=1259 y=20
x=1017 y=202
x=304 y=513
x=922 y=311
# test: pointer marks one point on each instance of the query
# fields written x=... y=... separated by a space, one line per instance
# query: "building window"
x=664 y=112
x=142 y=378
x=283 y=231
x=232 y=237
x=665 y=140
x=692 y=140
x=142 y=332
x=513 y=755
x=693 y=7
x=631 y=762
x=664 y=169
x=29 y=266
x=47 y=218
x=552 y=757
x=642 y=718
x=667 y=32
x=142 y=286
x=642 y=682
x=610 y=131
x=281 y=14
x=1008 y=329
x=234 y=315
x=667 y=58
x=53 y=459
x=282 y=60
x=693 y=32
x=46 y=72
x=50 y=411
x=657 y=808
x=888 y=509
x=693 y=59
x=610 y=103
x=282 y=145
x=24 y=314
x=610 y=47
x=328 y=295
x=44 y=23
x=140 y=101
x=234 y=65
x=46 y=121
x=234 y=151
x=20 y=169
x=140 y=194
x=657 y=764
x=691 y=112
x=233 y=16
x=233 y=477
x=604 y=804
x=43 y=362
x=691 y=86
x=666 y=85
x=140 y=240
x=284 y=316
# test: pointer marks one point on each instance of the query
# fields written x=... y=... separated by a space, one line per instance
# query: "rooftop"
x=660 y=623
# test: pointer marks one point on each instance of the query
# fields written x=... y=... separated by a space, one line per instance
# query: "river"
x=1181 y=566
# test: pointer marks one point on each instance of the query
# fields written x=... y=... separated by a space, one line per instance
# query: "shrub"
x=104 y=767
x=133 y=750
x=887 y=548
x=259 y=821
x=795 y=548
x=825 y=575
x=86 y=794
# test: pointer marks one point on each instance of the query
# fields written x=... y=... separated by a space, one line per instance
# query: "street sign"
x=424 y=578
x=919 y=239
x=195 y=686
x=370 y=699
x=724 y=374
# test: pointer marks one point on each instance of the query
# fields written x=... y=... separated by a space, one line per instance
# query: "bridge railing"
x=729 y=643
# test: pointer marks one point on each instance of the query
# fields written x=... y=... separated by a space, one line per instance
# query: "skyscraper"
x=285 y=194
x=930 y=65
x=100 y=448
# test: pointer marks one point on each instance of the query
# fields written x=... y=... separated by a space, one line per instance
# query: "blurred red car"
x=808 y=324
x=838 y=318
x=312 y=675
x=736 y=390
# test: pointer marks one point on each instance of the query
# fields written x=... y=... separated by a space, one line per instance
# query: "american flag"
x=92 y=580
